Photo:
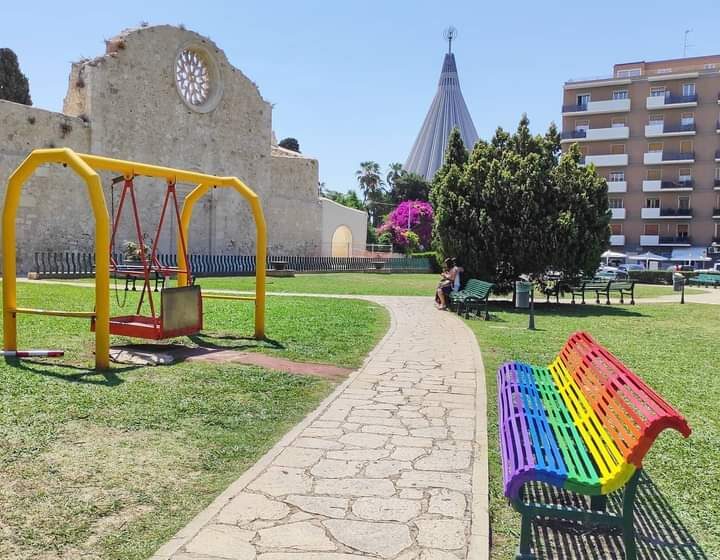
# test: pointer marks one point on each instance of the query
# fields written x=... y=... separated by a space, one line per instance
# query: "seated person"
x=449 y=279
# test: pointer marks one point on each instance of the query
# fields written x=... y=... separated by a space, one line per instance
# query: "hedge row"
x=658 y=276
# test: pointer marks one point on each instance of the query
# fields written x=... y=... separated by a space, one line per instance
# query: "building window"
x=685 y=175
x=683 y=202
x=654 y=147
x=620 y=94
x=717 y=173
x=629 y=73
x=618 y=121
x=583 y=99
x=686 y=146
x=651 y=229
x=652 y=203
x=688 y=89
x=710 y=66
x=616 y=228
x=654 y=174
x=582 y=125
x=656 y=119
x=663 y=71
x=617 y=149
x=616 y=203
x=616 y=176
x=683 y=231
x=658 y=91
x=687 y=119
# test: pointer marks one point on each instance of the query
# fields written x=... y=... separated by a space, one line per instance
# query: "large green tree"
x=409 y=186
x=13 y=83
x=514 y=206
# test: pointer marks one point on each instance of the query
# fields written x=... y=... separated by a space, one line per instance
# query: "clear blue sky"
x=352 y=80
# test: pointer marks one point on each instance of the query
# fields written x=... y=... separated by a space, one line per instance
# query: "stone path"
x=392 y=465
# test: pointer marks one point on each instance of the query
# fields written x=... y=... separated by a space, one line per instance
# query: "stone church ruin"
x=165 y=96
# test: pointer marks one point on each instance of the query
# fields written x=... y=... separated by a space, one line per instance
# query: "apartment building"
x=652 y=129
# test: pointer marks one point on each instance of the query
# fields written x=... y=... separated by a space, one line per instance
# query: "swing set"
x=180 y=309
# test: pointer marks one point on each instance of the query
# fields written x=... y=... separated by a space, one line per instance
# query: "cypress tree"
x=13 y=83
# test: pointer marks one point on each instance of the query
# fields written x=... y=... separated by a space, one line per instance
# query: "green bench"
x=623 y=287
x=592 y=285
x=471 y=298
x=706 y=279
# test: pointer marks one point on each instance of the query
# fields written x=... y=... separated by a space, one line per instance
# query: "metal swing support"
x=180 y=308
x=87 y=166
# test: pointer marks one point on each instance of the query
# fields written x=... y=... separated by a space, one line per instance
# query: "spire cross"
x=450 y=34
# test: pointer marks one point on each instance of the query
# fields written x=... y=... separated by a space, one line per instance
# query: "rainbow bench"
x=584 y=424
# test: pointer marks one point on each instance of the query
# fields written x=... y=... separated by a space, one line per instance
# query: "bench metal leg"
x=628 y=525
x=525 y=539
x=487 y=311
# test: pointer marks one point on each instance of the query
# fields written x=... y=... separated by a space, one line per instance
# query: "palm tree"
x=394 y=171
x=368 y=177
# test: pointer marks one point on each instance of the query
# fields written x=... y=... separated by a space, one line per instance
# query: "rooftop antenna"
x=450 y=33
x=686 y=45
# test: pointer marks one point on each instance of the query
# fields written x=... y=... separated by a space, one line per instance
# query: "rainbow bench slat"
x=584 y=423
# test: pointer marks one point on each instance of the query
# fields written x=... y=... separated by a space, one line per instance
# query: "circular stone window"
x=197 y=78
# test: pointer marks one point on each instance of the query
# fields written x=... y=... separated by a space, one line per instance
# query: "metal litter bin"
x=522 y=294
x=678 y=282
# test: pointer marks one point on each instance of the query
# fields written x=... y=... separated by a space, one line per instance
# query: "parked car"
x=631 y=267
x=680 y=268
x=612 y=274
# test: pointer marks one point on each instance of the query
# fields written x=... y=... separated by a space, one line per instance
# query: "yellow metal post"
x=102 y=243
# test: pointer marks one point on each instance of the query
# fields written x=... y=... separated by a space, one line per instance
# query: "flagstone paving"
x=393 y=465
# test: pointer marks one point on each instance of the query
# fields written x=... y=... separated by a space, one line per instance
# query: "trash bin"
x=678 y=281
x=522 y=294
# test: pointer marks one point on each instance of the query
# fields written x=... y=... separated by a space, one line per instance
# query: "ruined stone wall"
x=54 y=210
x=126 y=104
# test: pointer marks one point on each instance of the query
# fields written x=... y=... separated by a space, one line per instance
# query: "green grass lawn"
x=673 y=348
x=110 y=466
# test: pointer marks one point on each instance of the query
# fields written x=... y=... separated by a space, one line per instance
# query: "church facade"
x=166 y=96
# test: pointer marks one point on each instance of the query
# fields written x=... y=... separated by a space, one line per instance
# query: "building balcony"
x=675 y=240
x=657 y=240
x=660 y=130
x=666 y=213
x=617 y=186
x=717 y=127
x=716 y=184
x=606 y=160
x=598 y=107
x=612 y=133
x=655 y=102
x=716 y=213
x=717 y=155
x=679 y=213
x=617 y=240
x=667 y=186
x=618 y=213
x=659 y=158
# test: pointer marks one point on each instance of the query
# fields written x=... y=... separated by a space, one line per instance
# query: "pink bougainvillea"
x=415 y=213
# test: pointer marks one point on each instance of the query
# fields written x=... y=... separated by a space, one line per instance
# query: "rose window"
x=193 y=77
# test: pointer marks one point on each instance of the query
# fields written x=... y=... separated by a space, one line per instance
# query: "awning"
x=690 y=254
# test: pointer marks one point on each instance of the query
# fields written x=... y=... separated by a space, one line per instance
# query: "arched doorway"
x=341 y=245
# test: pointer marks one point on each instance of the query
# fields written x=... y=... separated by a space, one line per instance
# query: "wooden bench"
x=706 y=279
x=583 y=424
x=623 y=287
x=471 y=298
x=591 y=285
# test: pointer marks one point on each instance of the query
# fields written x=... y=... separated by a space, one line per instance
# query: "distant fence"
x=65 y=265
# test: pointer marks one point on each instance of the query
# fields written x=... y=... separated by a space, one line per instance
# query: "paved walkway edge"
x=480 y=528
x=185 y=534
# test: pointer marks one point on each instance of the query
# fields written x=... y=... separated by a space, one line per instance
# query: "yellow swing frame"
x=87 y=166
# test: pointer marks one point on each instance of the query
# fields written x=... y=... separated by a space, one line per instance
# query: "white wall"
x=335 y=215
